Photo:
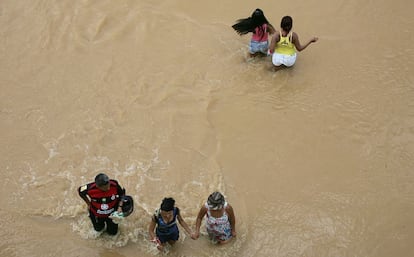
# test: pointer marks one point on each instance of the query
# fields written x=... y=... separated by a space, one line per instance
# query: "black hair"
x=286 y=23
x=167 y=204
x=101 y=179
x=257 y=19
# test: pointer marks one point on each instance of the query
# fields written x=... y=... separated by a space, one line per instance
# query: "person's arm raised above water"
x=299 y=47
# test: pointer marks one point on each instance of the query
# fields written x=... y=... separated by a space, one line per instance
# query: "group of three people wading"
x=106 y=200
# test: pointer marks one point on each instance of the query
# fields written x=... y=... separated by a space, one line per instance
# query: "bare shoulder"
x=180 y=218
x=272 y=30
x=229 y=207
x=276 y=35
x=203 y=209
x=295 y=38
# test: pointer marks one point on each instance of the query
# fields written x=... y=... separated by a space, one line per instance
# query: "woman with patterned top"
x=220 y=219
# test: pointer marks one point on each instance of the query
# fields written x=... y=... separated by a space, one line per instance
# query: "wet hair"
x=286 y=23
x=256 y=20
x=167 y=204
x=101 y=179
x=216 y=200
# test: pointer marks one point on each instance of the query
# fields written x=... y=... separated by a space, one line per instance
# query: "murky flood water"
x=316 y=160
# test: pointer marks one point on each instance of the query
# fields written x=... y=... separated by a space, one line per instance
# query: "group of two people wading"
x=106 y=201
x=283 y=45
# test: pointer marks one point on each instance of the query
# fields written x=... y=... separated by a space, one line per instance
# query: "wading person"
x=220 y=219
x=103 y=198
x=260 y=28
x=285 y=43
x=164 y=222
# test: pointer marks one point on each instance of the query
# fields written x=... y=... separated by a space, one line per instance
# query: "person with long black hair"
x=260 y=28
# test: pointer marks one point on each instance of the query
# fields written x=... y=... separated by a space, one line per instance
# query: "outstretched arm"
x=200 y=217
x=297 y=44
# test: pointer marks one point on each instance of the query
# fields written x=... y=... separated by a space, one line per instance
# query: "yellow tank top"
x=285 y=45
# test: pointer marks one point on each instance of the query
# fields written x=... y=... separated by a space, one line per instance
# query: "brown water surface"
x=316 y=160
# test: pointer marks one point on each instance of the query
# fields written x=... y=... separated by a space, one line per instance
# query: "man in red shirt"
x=103 y=197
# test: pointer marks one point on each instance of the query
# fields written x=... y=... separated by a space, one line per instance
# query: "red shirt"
x=103 y=203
